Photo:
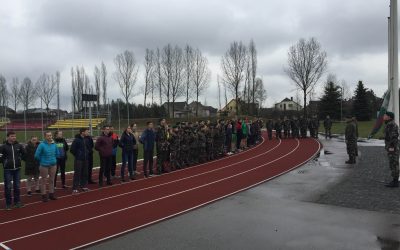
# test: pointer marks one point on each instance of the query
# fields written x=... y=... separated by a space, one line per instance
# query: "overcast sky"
x=49 y=35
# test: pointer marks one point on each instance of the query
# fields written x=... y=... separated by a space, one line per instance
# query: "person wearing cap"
x=351 y=140
x=392 y=147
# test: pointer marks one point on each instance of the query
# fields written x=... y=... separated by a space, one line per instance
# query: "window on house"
x=290 y=105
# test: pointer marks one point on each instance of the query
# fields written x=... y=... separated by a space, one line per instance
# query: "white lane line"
x=4 y=246
x=173 y=172
x=198 y=206
x=152 y=201
x=140 y=190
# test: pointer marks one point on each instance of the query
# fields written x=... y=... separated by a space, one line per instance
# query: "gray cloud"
x=45 y=36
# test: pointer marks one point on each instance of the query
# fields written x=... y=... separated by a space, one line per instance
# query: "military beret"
x=390 y=114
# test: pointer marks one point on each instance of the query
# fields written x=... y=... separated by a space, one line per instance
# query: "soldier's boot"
x=351 y=160
x=394 y=183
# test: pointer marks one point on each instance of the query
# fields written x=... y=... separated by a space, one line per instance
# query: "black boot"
x=394 y=183
x=45 y=198
x=52 y=197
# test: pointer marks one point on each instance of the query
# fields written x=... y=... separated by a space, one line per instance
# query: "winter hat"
x=390 y=114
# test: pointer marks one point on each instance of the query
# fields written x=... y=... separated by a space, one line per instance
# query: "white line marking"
x=139 y=190
x=4 y=246
x=195 y=207
x=151 y=201
x=173 y=172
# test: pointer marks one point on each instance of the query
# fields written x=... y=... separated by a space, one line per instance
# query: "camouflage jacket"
x=162 y=136
x=175 y=142
x=270 y=125
x=350 y=132
x=286 y=124
x=392 y=136
x=328 y=123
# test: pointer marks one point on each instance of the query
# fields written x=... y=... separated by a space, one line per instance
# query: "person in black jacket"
x=12 y=154
x=32 y=166
x=127 y=143
x=62 y=147
x=90 y=145
x=80 y=152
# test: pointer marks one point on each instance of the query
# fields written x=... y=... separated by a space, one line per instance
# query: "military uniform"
x=278 y=129
x=392 y=147
x=174 y=146
x=303 y=127
x=162 y=146
x=286 y=128
x=193 y=142
x=270 y=127
x=210 y=144
x=351 y=141
x=202 y=141
x=295 y=128
x=328 y=127
x=184 y=155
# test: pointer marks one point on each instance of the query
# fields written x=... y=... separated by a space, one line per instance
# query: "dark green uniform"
x=162 y=146
x=328 y=127
x=210 y=144
x=174 y=146
x=286 y=128
x=295 y=128
x=303 y=127
x=270 y=127
x=202 y=141
x=351 y=141
x=392 y=147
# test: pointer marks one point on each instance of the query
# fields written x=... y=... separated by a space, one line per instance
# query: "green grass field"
x=364 y=129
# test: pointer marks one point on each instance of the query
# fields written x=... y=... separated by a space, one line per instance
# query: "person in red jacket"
x=115 y=138
x=104 y=145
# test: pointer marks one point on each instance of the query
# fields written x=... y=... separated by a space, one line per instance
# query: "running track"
x=74 y=222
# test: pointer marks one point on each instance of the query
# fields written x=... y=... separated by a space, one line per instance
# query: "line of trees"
x=27 y=93
x=239 y=76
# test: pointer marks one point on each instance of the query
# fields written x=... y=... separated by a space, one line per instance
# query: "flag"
x=382 y=111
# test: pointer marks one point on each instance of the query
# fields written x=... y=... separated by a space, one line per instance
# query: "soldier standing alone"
x=328 y=126
x=351 y=141
x=392 y=147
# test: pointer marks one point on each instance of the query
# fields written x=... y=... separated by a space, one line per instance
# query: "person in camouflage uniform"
x=210 y=142
x=351 y=141
x=316 y=126
x=162 y=146
x=356 y=124
x=328 y=127
x=286 y=127
x=278 y=129
x=193 y=139
x=174 y=147
x=311 y=127
x=222 y=135
x=184 y=155
x=270 y=127
x=295 y=127
x=392 y=147
x=217 y=141
x=202 y=140
x=303 y=127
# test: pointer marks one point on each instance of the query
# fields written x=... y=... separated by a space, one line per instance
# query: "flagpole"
x=395 y=58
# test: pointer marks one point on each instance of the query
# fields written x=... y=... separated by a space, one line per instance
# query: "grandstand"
x=30 y=125
x=76 y=123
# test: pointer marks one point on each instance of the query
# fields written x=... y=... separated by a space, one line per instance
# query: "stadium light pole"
x=394 y=78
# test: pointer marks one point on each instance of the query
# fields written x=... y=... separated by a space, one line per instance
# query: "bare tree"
x=14 y=93
x=104 y=83
x=233 y=63
x=149 y=74
x=57 y=79
x=177 y=74
x=46 y=89
x=201 y=75
x=219 y=92
x=126 y=74
x=189 y=57
x=167 y=71
x=159 y=74
x=260 y=92
x=4 y=95
x=253 y=69
x=80 y=85
x=97 y=85
x=247 y=89
x=345 y=90
x=28 y=93
x=306 y=64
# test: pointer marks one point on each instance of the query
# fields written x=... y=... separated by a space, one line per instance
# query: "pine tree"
x=330 y=101
x=361 y=105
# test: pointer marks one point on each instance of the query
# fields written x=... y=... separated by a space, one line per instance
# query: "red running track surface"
x=78 y=221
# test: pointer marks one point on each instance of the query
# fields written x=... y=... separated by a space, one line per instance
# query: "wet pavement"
x=324 y=204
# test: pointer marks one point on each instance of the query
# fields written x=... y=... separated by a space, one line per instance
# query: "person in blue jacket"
x=47 y=153
x=148 y=140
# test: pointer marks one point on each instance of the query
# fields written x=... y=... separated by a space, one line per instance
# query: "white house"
x=288 y=105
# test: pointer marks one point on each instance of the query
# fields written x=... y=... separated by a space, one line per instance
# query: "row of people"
x=297 y=128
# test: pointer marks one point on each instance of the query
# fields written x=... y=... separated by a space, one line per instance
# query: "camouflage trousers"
x=286 y=132
x=162 y=158
x=303 y=132
x=351 y=148
x=394 y=164
x=174 y=159
x=269 y=134
x=295 y=133
x=202 y=154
